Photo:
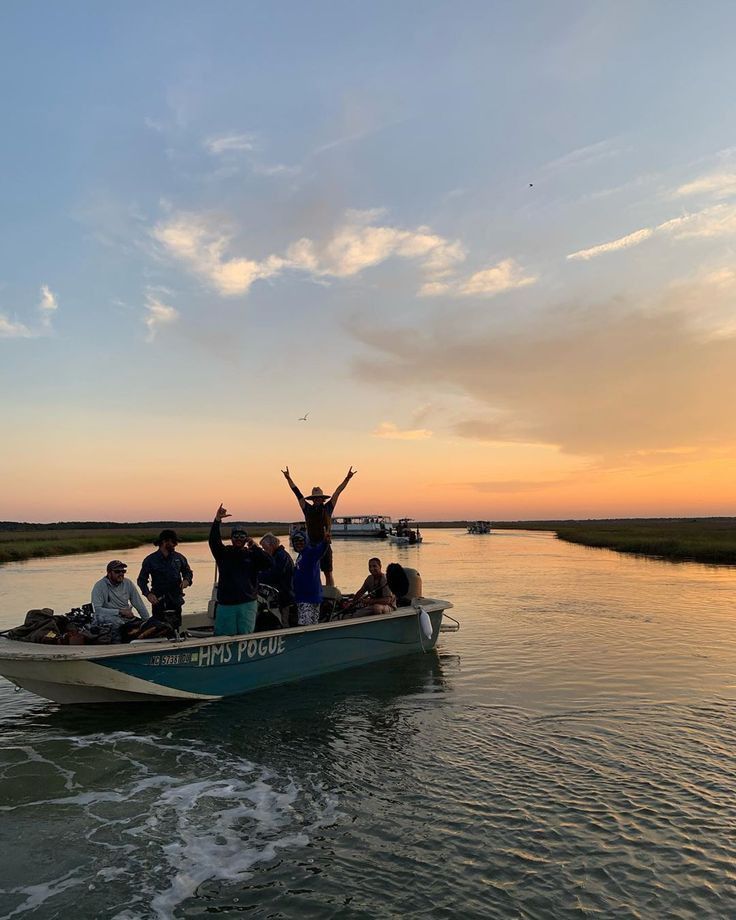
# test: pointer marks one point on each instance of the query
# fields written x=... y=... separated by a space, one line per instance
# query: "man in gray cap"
x=114 y=598
x=237 y=581
x=169 y=574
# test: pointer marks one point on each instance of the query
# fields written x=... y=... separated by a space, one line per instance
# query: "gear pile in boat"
x=79 y=627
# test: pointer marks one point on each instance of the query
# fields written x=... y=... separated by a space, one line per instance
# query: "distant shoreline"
x=39 y=541
x=707 y=540
x=711 y=541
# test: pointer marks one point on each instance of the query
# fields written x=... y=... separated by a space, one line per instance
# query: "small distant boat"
x=403 y=534
x=479 y=527
x=356 y=525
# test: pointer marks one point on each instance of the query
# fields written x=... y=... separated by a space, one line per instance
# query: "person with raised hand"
x=318 y=509
x=237 y=583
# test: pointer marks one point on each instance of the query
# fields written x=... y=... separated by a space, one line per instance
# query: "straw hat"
x=317 y=493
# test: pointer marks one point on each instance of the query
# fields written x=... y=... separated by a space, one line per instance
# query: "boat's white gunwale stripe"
x=9 y=649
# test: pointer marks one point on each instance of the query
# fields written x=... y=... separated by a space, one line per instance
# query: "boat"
x=479 y=527
x=403 y=534
x=356 y=525
x=207 y=667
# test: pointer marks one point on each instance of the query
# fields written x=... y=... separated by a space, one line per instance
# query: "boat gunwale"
x=12 y=649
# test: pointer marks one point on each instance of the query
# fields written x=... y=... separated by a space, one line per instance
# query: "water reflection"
x=295 y=714
x=570 y=751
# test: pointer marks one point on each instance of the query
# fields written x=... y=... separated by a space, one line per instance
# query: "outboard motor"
x=415 y=583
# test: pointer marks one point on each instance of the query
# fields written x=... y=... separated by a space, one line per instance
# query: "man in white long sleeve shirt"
x=114 y=597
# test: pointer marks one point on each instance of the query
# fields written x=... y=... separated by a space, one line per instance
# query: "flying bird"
x=303 y=418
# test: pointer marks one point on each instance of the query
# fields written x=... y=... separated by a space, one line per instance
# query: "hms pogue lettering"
x=228 y=652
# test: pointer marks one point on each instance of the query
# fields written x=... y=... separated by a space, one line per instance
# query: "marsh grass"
x=709 y=540
x=29 y=541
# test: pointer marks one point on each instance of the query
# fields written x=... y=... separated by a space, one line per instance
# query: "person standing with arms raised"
x=238 y=566
x=318 y=517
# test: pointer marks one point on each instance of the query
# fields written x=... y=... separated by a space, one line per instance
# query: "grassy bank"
x=29 y=541
x=709 y=540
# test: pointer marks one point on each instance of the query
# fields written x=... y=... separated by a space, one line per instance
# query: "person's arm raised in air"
x=294 y=488
x=338 y=490
x=217 y=547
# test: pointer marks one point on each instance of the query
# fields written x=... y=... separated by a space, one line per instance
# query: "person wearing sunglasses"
x=237 y=581
x=114 y=598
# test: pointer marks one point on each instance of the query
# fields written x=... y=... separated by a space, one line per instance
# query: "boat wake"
x=149 y=827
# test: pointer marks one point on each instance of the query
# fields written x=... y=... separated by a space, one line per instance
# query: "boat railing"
x=449 y=627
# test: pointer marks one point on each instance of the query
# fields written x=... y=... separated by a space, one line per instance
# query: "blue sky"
x=422 y=222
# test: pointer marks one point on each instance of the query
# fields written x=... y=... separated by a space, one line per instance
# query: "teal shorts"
x=236 y=619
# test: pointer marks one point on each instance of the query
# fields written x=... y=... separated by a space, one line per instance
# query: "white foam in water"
x=36 y=895
x=169 y=827
x=219 y=848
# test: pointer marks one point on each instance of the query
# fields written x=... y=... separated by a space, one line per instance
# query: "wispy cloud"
x=194 y=241
x=581 y=155
x=488 y=282
x=276 y=169
x=157 y=314
x=359 y=244
x=370 y=127
x=623 y=242
x=393 y=432
x=230 y=143
x=716 y=185
x=504 y=276
x=716 y=221
x=10 y=329
x=48 y=306
x=356 y=245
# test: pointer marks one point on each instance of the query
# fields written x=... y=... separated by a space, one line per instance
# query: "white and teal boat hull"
x=212 y=668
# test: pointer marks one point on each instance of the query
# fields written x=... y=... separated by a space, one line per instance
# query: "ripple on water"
x=148 y=839
x=569 y=753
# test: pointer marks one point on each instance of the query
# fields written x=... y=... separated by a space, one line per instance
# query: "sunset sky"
x=488 y=247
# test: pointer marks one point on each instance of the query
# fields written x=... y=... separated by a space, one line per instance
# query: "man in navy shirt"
x=237 y=582
x=169 y=574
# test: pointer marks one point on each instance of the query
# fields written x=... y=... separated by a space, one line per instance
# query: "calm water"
x=568 y=753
